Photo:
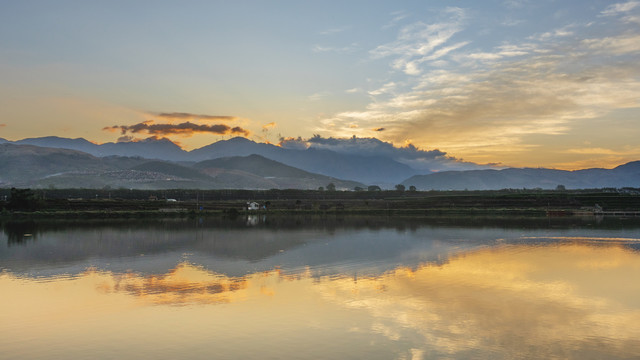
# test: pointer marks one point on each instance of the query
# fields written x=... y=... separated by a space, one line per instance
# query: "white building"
x=253 y=206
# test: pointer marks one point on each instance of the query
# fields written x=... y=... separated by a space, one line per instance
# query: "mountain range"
x=244 y=164
x=627 y=175
x=41 y=167
x=366 y=169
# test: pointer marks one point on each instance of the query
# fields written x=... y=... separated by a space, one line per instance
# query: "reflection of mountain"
x=351 y=245
x=157 y=247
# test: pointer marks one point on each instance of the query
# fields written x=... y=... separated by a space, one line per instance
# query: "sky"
x=524 y=83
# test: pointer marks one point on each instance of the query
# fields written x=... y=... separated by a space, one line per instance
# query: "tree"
x=374 y=188
x=358 y=188
x=400 y=188
x=412 y=188
x=561 y=188
x=331 y=187
x=22 y=199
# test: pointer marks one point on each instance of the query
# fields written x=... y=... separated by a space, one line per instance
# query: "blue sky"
x=519 y=82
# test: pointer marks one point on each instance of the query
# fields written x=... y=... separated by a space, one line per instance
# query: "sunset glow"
x=515 y=83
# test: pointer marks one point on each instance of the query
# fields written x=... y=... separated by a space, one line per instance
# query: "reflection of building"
x=253 y=206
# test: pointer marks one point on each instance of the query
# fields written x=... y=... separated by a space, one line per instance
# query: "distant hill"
x=627 y=175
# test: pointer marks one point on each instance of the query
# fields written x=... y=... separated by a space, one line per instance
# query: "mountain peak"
x=239 y=140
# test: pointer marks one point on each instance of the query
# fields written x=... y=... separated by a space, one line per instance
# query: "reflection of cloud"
x=184 y=284
x=507 y=303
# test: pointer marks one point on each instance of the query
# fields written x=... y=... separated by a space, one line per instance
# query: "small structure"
x=253 y=205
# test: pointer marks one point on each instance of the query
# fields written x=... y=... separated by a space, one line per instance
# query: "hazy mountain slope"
x=161 y=149
x=627 y=175
x=79 y=144
x=22 y=164
x=150 y=148
x=172 y=169
x=276 y=174
x=255 y=164
x=365 y=169
x=237 y=146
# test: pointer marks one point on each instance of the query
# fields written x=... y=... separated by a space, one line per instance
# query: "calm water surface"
x=321 y=288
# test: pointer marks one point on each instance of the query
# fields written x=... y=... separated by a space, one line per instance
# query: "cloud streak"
x=189 y=116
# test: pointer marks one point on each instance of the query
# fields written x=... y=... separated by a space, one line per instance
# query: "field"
x=124 y=202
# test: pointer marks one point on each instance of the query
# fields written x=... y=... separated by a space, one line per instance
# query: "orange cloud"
x=184 y=129
x=269 y=125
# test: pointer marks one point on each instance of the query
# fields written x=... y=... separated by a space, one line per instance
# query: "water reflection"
x=388 y=292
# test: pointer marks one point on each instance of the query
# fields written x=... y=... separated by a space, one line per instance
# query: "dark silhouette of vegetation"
x=23 y=200
x=374 y=188
x=400 y=188
x=331 y=187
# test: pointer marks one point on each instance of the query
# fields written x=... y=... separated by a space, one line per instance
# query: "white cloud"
x=335 y=49
x=418 y=43
x=335 y=30
x=620 y=8
x=318 y=96
x=494 y=100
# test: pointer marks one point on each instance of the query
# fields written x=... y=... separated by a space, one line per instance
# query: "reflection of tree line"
x=19 y=231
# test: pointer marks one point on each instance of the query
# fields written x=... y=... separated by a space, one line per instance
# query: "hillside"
x=264 y=173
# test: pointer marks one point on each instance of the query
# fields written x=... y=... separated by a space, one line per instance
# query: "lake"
x=261 y=287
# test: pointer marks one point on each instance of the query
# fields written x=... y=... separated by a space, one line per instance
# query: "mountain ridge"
x=41 y=167
x=365 y=169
